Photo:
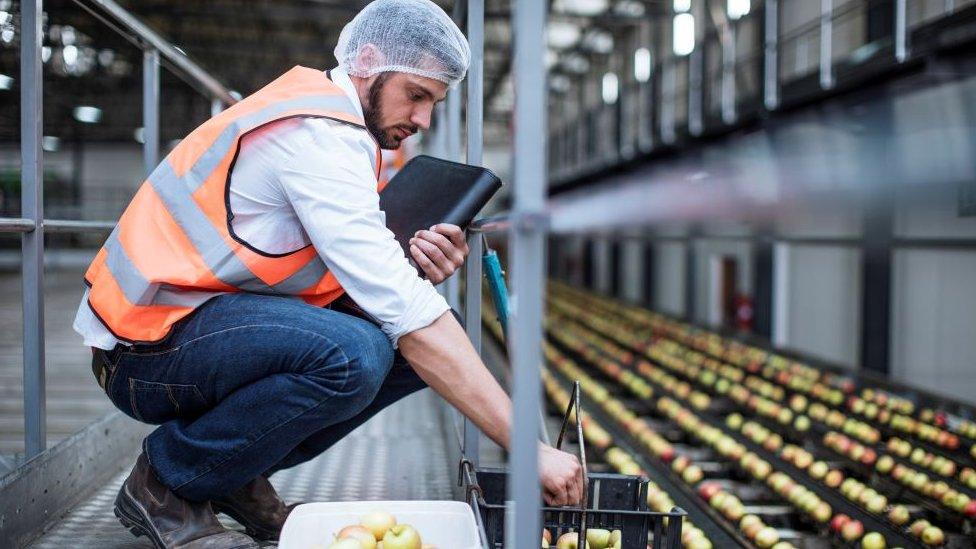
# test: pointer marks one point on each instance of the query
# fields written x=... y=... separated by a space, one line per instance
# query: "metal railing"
x=32 y=226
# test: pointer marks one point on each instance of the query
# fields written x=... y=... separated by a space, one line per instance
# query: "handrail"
x=24 y=225
x=491 y=224
x=179 y=63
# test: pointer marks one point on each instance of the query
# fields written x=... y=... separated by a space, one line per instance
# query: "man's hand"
x=440 y=251
x=561 y=475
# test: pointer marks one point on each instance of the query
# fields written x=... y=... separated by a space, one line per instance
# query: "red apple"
x=852 y=531
x=838 y=522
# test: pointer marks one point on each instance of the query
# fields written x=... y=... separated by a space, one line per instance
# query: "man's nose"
x=421 y=117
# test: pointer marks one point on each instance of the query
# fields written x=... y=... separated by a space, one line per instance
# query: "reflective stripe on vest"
x=173 y=248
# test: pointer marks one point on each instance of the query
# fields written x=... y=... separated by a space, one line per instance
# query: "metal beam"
x=150 y=110
x=32 y=208
x=528 y=270
x=474 y=114
x=826 y=44
x=771 y=54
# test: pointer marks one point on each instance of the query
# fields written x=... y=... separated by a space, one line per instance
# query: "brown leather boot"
x=148 y=508
x=257 y=507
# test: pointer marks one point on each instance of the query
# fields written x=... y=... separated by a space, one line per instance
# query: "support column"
x=32 y=207
x=876 y=289
x=762 y=287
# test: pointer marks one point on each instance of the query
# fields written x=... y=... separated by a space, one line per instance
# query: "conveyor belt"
x=402 y=453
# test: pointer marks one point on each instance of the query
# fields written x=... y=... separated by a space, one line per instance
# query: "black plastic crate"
x=616 y=502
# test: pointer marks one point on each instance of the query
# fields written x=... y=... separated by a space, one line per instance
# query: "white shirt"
x=306 y=181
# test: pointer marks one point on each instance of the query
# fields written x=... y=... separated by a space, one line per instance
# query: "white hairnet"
x=412 y=36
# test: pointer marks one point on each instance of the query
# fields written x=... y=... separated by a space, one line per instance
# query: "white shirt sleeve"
x=331 y=186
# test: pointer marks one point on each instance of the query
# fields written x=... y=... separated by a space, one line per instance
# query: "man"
x=253 y=304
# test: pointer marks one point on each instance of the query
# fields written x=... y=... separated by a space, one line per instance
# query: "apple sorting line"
x=589 y=323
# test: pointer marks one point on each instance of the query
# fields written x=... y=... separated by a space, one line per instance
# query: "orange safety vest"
x=174 y=247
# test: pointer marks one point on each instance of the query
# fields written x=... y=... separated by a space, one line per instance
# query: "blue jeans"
x=251 y=384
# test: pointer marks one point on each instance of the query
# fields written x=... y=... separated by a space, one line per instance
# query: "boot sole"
x=133 y=519
x=259 y=534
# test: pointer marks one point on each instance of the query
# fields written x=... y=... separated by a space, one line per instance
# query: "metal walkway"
x=401 y=454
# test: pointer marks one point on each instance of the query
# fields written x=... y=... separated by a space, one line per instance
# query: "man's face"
x=399 y=105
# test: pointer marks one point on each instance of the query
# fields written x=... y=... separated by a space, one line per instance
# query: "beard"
x=372 y=113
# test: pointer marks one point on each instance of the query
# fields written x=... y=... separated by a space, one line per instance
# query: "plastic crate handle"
x=574 y=402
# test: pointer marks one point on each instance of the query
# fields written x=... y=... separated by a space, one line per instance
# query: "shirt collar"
x=341 y=79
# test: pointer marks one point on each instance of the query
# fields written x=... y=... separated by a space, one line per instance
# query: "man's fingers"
x=434 y=254
x=453 y=232
x=447 y=246
x=433 y=273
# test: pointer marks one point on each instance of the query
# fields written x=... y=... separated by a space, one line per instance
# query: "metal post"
x=472 y=325
x=901 y=31
x=32 y=207
x=696 y=62
x=771 y=55
x=528 y=280
x=826 y=44
x=728 y=73
x=669 y=94
x=950 y=6
x=150 y=109
x=474 y=116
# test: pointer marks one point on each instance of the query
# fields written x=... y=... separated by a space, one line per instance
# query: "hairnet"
x=412 y=36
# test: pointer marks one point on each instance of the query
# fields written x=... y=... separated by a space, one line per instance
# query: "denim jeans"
x=251 y=384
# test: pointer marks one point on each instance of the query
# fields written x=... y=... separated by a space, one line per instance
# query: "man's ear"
x=369 y=57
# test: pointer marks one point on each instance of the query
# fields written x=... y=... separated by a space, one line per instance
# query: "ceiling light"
x=559 y=83
x=7 y=35
x=562 y=34
x=70 y=55
x=68 y=35
x=642 y=64
x=610 y=88
x=684 y=33
x=581 y=7
x=681 y=6
x=6 y=82
x=738 y=8
x=50 y=143
x=576 y=63
x=139 y=135
x=629 y=8
x=88 y=114
x=551 y=58
x=598 y=41
x=45 y=54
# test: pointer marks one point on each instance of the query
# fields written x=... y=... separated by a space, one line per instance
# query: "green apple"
x=597 y=538
x=359 y=533
x=401 y=536
x=873 y=540
x=933 y=535
x=378 y=522
x=616 y=539
x=569 y=540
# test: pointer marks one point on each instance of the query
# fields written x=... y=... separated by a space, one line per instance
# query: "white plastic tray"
x=444 y=524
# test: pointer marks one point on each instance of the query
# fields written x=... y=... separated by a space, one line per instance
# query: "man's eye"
x=416 y=96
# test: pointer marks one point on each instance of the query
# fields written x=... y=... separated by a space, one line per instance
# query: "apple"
x=884 y=464
x=547 y=535
x=616 y=539
x=970 y=510
x=834 y=478
x=401 y=536
x=821 y=512
x=767 y=537
x=852 y=531
x=873 y=540
x=933 y=535
x=347 y=543
x=838 y=522
x=918 y=527
x=359 y=533
x=818 y=470
x=597 y=538
x=692 y=474
x=569 y=540
x=378 y=522
x=898 y=515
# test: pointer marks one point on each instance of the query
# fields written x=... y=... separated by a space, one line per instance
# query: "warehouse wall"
x=633 y=279
x=669 y=277
x=707 y=251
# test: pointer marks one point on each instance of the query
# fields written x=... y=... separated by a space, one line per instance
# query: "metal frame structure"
x=33 y=225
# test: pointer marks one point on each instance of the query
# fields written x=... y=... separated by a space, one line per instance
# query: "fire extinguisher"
x=744 y=312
